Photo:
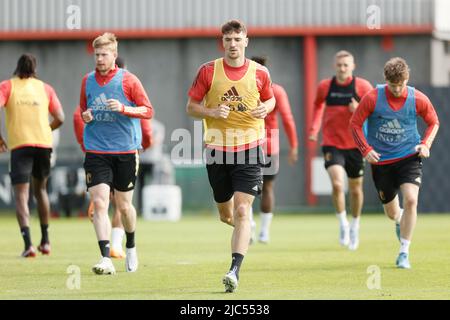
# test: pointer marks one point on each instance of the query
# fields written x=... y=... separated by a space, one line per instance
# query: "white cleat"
x=354 y=239
x=344 y=235
x=105 y=266
x=264 y=237
x=131 y=260
x=230 y=281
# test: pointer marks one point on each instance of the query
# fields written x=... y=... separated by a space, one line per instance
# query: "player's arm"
x=362 y=87
x=134 y=91
x=285 y=110
x=364 y=110
x=200 y=86
x=263 y=108
x=5 y=91
x=85 y=113
x=54 y=108
x=196 y=109
x=146 y=128
x=318 y=109
x=425 y=109
x=266 y=101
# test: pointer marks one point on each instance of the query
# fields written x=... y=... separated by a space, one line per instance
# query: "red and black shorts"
x=351 y=160
x=229 y=172
x=389 y=177
x=119 y=171
x=29 y=161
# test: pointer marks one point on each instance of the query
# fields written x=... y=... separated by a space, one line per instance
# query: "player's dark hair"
x=26 y=66
x=234 y=26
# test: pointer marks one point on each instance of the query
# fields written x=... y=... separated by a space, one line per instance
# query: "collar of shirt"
x=104 y=79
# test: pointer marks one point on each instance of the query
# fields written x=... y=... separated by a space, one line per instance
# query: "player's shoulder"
x=5 y=83
x=261 y=68
x=277 y=88
x=372 y=94
x=420 y=96
x=325 y=82
x=207 y=67
x=362 y=81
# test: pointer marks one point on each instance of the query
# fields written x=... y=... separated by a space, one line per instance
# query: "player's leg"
x=355 y=186
x=246 y=179
x=337 y=174
x=226 y=211
x=102 y=225
x=117 y=231
x=40 y=174
x=128 y=213
x=410 y=193
x=240 y=238
x=334 y=164
x=99 y=175
x=220 y=183
x=125 y=173
x=267 y=204
x=21 y=164
x=43 y=208
x=409 y=177
x=354 y=167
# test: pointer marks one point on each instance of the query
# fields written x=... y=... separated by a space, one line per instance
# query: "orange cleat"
x=117 y=254
x=44 y=248
x=29 y=253
x=90 y=211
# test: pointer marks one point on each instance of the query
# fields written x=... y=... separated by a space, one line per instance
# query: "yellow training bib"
x=27 y=114
x=242 y=96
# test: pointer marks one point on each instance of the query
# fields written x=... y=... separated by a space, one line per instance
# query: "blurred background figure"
x=152 y=168
x=272 y=153
x=28 y=104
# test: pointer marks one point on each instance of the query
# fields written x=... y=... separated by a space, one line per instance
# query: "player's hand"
x=423 y=151
x=3 y=146
x=353 y=105
x=221 y=112
x=115 y=105
x=260 y=112
x=372 y=157
x=87 y=116
x=293 y=156
x=313 y=137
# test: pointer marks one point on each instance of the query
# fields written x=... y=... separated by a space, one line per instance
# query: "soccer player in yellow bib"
x=28 y=103
x=233 y=95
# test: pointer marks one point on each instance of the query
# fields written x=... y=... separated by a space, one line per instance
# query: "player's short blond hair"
x=343 y=54
x=396 y=70
x=106 y=39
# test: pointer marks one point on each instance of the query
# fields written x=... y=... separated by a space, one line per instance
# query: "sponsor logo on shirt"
x=232 y=95
x=392 y=132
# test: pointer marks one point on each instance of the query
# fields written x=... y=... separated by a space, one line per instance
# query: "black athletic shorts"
x=119 y=171
x=29 y=161
x=229 y=172
x=271 y=167
x=351 y=160
x=389 y=177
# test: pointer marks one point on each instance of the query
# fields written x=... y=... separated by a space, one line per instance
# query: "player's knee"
x=410 y=202
x=99 y=204
x=338 y=186
x=124 y=208
x=355 y=192
x=242 y=211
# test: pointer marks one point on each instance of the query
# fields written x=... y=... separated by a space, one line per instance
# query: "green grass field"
x=186 y=260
